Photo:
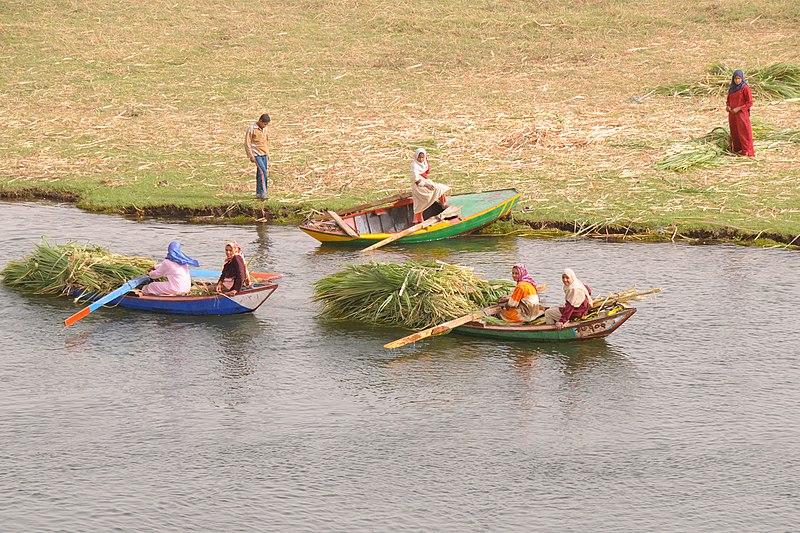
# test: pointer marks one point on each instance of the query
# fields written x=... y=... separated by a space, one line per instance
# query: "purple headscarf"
x=734 y=86
x=524 y=276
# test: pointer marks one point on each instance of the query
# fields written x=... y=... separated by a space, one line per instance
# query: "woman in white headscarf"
x=423 y=190
x=578 y=300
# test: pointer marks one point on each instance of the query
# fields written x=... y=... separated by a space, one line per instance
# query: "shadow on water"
x=573 y=357
x=426 y=251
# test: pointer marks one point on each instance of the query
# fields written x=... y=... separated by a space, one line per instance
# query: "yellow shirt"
x=256 y=141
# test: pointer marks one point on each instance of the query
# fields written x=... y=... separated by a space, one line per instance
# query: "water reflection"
x=234 y=340
x=261 y=248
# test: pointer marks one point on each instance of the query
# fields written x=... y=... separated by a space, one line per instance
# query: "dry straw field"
x=145 y=104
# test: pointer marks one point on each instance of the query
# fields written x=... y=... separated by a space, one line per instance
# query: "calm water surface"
x=685 y=419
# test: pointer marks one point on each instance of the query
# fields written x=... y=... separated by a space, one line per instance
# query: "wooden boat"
x=245 y=301
x=366 y=225
x=603 y=325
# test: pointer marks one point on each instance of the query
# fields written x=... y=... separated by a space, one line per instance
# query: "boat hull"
x=477 y=210
x=574 y=331
x=245 y=301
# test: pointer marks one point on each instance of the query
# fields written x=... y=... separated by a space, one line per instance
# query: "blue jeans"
x=262 y=173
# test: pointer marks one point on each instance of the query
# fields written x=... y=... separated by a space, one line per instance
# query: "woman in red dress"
x=738 y=105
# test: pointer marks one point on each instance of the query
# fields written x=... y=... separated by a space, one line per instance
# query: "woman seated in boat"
x=423 y=190
x=234 y=272
x=174 y=267
x=578 y=301
x=523 y=304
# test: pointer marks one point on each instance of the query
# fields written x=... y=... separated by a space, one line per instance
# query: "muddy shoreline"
x=236 y=213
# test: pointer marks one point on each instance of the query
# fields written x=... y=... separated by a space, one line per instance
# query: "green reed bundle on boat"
x=414 y=295
x=777 y=81
x=63 y=268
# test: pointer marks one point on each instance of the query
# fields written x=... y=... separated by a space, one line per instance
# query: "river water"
x=684 y=419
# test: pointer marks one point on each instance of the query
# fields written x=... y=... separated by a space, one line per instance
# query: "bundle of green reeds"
x=707 y=151
x=777 y=81
x=414 y=295
x=64 y=268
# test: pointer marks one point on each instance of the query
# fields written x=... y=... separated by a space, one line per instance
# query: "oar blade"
x=130 y=285
x=77 y=316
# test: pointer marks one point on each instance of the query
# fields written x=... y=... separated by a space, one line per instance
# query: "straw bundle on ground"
x=707 y=151
x=763 y=131
x=64 y=268
x=414 y=295
x=774 y=82
x=712 y=148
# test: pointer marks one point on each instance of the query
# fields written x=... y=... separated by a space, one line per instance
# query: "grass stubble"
x=135 y=110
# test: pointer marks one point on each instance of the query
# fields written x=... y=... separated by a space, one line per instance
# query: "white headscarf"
x=417 y=168
x=575 y=292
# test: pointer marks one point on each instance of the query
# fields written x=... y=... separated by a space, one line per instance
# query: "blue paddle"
x=129 y=286
x=195 y=273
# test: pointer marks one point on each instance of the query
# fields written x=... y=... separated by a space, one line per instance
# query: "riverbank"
x=150 y=123
x=520 y=223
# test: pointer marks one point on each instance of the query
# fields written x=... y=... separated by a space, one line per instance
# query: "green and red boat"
x=366 y=225
x=603 y=324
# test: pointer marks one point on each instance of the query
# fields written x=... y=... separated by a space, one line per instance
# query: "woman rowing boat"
x=174 y=267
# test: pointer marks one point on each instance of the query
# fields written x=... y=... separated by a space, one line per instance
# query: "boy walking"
x=256 y=146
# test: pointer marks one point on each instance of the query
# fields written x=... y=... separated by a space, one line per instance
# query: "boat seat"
x=389 y=220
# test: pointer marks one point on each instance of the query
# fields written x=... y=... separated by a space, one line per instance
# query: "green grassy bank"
x=142 y=109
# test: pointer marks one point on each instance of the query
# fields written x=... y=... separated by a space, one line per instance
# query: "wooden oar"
x=196 y=273
x=446 y=326
x=441 y=328
x=129 y=286
x=343 y=225
x=450 y=212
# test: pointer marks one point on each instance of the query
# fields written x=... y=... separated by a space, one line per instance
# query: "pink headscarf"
x=524 y=276
x=237 y=250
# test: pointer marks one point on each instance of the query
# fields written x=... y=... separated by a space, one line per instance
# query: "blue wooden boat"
x=245 y=301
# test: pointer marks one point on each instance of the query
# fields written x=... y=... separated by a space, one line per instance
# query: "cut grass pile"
x=715 y=147
x=707 y=151
x=778 y=81
x=412 y=295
